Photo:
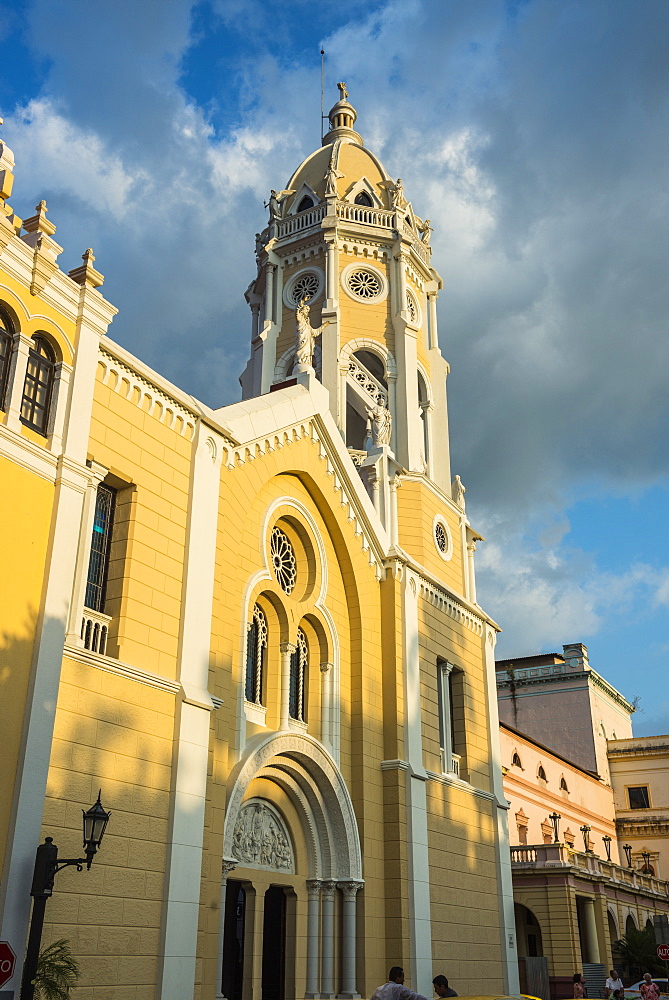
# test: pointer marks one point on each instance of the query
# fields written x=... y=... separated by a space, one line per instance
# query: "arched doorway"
x=528 y=933
x=310 y=806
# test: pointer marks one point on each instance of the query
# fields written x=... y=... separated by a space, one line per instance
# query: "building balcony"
x=535 y=857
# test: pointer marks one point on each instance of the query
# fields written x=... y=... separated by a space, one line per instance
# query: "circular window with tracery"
x=284 y=564
x=442 y=538
x=365 y=284
x=308 y=282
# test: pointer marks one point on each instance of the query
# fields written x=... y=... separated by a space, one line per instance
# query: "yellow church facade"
x=255 y=628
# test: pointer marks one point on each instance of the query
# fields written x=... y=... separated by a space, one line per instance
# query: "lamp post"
x=555 y=820
x=627 y=848
x=585 y=830
x=47 y=866
x=607 y=846
x=646 y=862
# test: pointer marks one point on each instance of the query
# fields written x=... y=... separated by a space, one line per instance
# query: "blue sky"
x=533 y=135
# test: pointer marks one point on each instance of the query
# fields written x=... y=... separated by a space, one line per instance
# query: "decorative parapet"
x=542 y=856
x=146 y=396
x=444 y=601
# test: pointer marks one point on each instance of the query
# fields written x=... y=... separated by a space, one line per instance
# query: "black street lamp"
x=555 y=820
x=607 y=846
x=585 y=830
x=47 y=866
x=646 y=862
x=627 y=848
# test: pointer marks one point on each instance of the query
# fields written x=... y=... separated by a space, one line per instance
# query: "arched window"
x=423 y=404
x=563 y=785
x=374 y=365
x=364 y=199
x=515 y=760
x=6 y=341
x=38 y=385
x=256 y=653
x=541 y=773
x=305 y=203
x=299 y=669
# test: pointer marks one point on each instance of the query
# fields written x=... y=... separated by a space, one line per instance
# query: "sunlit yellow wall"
x=153 y=461
x=26 y=502
x=363 y=319
x=114 y=734
x=417 y=506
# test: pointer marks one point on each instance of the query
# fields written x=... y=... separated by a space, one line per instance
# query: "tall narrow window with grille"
x=98 y=563
x=299 y=669
x=256 y=653
x=6 y=341
x=38 y=385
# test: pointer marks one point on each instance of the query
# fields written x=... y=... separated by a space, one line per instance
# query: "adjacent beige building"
x=575 y=893
x=640 y=777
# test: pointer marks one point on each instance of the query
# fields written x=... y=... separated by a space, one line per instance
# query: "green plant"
x=57 y=972
x=638 y=952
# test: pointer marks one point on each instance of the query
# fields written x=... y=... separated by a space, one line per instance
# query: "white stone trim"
x=375 y=347
x=305 y=191
x=448 y=554
x=290 y=283
x=192 y=725
x=111 y=666
x=364 y=266
x=420 y=922
x=122 y=379
x=23 y=452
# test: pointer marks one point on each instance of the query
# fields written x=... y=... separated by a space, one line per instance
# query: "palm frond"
x=57 y=972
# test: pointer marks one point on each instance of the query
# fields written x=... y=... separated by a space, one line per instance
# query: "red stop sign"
x=7 y=962
x=663 y=952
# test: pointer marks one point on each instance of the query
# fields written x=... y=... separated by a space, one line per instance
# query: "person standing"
x=648 y=989
x=614 y=986
x=579 y=986
x=441 y=987
x=395 y=989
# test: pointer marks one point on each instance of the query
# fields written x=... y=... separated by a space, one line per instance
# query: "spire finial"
x=342 y=118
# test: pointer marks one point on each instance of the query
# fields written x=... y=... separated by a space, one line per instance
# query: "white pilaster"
x=420 y=924
x=189 y=780
x=502 y=852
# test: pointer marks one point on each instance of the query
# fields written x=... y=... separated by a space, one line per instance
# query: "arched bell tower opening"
x=293 y=863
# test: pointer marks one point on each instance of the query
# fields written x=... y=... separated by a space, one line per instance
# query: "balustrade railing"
x=378 y=395
x=302 y=220
x=553 y=855
x=95 y=631
x=368 y=216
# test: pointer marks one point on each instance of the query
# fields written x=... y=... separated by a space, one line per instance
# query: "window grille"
x=98 y=563
x=299 y=665
x=38 y=385
x=256 y=653
x=6 y=340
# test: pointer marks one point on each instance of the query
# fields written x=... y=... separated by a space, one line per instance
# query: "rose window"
x=283 y=560
x=306 y=285
x=440 y=537
x=364 y=284
x=411 y=307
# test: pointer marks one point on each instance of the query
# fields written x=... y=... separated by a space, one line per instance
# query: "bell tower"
x=344 y=278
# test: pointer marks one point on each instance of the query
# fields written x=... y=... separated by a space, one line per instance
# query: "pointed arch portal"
x=301 y=767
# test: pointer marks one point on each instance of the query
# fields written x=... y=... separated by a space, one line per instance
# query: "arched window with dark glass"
x=364 y=199
x=256 y=654
x=98 y=562
x=6 y=342
x=299 y=669
x=38 y=385
x=305 y=203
